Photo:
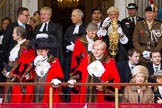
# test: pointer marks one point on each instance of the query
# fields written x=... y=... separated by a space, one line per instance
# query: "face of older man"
x=132 y=12
x=76 y=19
x=45 y=15
x=113 y=15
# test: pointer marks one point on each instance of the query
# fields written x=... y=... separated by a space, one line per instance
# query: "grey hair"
x=80 y=12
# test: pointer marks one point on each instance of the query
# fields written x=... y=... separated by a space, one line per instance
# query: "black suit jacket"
x=54 y=29
x=124 y=72
x=8 y=42
x=151 y=72
x=157 y=94
x=70 y=37
x=128 y=29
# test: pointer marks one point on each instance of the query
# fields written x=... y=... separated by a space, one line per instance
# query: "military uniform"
x=128 y=26
x=147 y=39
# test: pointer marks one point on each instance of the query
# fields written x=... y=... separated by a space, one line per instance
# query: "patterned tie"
x=156 y=69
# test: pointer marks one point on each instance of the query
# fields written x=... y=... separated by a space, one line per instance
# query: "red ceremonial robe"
x=24 y=65
x=110 y=73
x=79 y=52
x=54 y=72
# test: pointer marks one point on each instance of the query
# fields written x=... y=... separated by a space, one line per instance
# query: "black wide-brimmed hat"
x=132 y=6
x=43 y=41
x=157 y=74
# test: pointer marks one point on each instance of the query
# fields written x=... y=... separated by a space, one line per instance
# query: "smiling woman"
x=138 y=94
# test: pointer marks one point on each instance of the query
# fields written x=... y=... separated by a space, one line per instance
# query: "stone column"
x=32 y=5
x=122 y=4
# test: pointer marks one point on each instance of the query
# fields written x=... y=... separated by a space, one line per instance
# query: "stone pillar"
x=32 y=5
x=122 y=4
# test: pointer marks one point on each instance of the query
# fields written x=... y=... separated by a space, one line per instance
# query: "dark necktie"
x=45 y=26
x=156 y=69
x=133 y=22
x=132 y=67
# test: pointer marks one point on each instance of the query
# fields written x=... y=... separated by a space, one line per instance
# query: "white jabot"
x=14 y=52
x=1 y=38
x=76 y=29
x=42 y=27
x=90 y=43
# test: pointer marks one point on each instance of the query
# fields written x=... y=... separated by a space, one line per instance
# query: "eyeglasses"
x=26 y=15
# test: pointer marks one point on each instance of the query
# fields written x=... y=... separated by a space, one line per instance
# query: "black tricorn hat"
x=148 y=9
x=46 y=42
x=132 y=6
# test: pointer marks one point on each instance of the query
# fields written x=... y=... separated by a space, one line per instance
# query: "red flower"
x=141 y=32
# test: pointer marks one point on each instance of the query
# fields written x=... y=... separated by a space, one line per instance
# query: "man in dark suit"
x=50 y=28
x=72 y=33
x=22 y=20
x=155 y=65
x=96 y=16
x=77 y=29
x=125 y=67
x=128 y=23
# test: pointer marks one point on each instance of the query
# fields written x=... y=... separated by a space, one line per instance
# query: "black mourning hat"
x=48 y=42
x=132 y=6
x=96 y=9
x=148 y=9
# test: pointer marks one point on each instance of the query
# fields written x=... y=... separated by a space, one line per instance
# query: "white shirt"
x=90 y=43
x=130 y=65
x=156 y=66
x=133 y=19
x=21 y=24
